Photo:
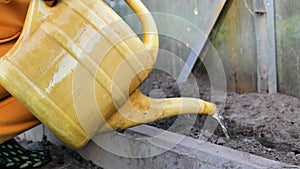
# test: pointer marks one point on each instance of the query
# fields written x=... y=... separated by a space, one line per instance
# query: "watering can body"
x=78 y=66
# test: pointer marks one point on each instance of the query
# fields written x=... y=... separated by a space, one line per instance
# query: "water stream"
x=210 y=126
x=221 y=123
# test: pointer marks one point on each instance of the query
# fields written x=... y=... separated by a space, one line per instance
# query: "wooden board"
x=287 y=44
x=265 y=46
x=197 y=48
x=234 y=40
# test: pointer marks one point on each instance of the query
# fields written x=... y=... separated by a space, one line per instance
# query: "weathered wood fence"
x=234 y=38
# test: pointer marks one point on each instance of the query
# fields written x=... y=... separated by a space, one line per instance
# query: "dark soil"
x=261 y=124
x=62 y=156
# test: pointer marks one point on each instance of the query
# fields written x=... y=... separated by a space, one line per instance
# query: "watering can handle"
x=150 y=36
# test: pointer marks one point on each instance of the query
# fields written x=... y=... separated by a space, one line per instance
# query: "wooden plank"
x=265 y=46
x=272 y=81
x=191 y=60
x=259 y=7
x=234 y=41
x=287 y=46
x=199 y=45
x=262 y=54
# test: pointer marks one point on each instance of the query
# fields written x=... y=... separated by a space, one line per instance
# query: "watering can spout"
x=140 y=109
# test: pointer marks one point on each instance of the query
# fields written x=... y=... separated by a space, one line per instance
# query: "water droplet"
x=221 y=123
x=196 y=11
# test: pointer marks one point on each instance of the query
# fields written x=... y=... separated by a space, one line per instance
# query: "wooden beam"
x=199 y=45
x=270 y=9
x=265 y=45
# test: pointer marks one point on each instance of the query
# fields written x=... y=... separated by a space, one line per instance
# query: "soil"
x=62 y=157
x=261 y=124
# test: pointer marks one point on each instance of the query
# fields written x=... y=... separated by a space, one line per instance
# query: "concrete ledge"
x=189 y=153
x=134 y=148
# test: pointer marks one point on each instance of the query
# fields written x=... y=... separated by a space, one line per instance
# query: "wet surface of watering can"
x=78 y=67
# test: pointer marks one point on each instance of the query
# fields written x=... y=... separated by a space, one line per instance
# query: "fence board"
x=235 y=42
x=199 y=45
x=270 y=8
x=287 y=43
x=265 y=43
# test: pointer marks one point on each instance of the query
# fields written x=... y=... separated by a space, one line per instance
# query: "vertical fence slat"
x=272 y=81
x=234 y=41
x=260 y=23
x=287 y=46
x=265 y=46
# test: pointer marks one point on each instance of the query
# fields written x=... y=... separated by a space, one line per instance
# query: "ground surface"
x=261 y=124
x=62 y=157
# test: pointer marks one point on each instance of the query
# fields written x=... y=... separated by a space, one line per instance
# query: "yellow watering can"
x=78 y=67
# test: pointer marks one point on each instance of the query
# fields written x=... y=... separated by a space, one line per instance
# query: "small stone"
x=246 y=140
x=290 y=154
x=221 y=141
x=282 y=110
x=268 y=149
x=157 y=93
x=296 y=157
